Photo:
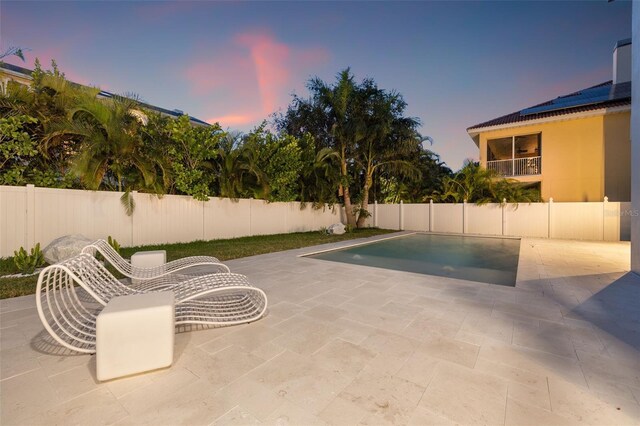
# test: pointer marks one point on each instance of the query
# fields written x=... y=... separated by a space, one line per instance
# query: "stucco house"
x=576 y=147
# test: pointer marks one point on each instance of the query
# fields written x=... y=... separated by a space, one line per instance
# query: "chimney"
x=622 y=61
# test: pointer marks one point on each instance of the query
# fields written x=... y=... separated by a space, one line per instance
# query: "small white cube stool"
x=148 y=259
x=135 y=334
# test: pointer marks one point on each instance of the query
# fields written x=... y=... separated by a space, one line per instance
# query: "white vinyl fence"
x=603 y=221
x=30 y=215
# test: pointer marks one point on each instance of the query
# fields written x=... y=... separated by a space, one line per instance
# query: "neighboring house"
x=576 y=147
x=21 y=75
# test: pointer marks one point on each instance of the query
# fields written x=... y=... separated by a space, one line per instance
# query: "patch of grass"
x=222 y=249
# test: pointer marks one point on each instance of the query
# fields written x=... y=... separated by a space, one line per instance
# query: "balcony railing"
x=517 y=166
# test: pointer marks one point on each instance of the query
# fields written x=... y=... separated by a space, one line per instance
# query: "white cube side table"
x=135 y=334
x=148 y=259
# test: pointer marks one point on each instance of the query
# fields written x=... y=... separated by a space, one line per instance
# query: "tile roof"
x=604 y=95
x=104 y=94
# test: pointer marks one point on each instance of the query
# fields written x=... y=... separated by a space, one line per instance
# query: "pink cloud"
x=271 y=61
x=251 y=76
x=232 y=120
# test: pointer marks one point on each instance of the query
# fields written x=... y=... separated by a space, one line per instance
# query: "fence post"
x=504 y=217
x=30 y=216
x=431 y=215
x=375 y=214
x=464 y=216
x=134 y=195
x=604 y=218
x=401 y=212
x=550 y=218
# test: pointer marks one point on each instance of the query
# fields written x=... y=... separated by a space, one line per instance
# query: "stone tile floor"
x=346 y=344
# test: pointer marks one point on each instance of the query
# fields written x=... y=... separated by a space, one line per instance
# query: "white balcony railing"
x=517 y=166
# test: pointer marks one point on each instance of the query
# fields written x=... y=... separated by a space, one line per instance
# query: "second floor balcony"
x=517 y=166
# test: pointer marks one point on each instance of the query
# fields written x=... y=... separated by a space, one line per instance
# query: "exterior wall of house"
x=617 y=156
x=573 y=167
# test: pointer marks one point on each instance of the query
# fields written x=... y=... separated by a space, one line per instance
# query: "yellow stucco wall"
x=617 y=157
x=573 y=156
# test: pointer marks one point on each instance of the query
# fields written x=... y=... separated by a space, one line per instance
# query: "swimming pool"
x=484 y=259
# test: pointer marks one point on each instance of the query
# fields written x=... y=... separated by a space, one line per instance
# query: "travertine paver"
x=345 y=344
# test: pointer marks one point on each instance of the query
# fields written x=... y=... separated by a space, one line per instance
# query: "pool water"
x=488 y=260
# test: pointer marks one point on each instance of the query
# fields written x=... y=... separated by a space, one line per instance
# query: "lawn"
x=222 y=249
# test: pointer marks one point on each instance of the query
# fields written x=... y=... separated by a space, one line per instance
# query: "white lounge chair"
x=178 y=268
x=71 y=294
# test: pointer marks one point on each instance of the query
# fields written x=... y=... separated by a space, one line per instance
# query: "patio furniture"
x=71 y=294
x=135 y=334
x=178 y=267
x=147 y=259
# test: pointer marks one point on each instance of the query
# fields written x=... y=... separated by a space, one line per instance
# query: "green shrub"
x=114 y=244
x=27 y=263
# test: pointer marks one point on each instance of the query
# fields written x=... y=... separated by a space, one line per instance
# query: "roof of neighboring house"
x=104 y=94
x=604 y=95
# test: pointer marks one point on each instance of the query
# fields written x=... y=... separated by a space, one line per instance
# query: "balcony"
x=517 y=166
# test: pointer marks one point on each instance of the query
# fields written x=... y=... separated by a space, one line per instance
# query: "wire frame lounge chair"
x=179 y=267
x=71 y=294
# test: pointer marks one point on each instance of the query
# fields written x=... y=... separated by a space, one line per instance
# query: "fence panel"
x=416 y=217
x=268 y=218
x=447 y=218
x=484 y=220
x=577 y=221
x=388 y=216
x=94 y=214
x=527 y=220
x=170 y=219
x=224 y=218
x=13 y=219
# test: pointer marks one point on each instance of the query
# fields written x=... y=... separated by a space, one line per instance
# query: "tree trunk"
x=363 y=214
x=346 y=194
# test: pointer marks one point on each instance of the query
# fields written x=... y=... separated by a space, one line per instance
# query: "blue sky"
x=456 y=63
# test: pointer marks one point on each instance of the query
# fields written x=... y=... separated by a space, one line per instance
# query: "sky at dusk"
x=456 y=63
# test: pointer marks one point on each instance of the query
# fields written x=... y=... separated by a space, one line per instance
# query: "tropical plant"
x=114 y=244
x=13 y=51
x=17 y=149
x=476 y=184
x=27 y=263
x=280 y=159
x=236 y=167
x=192 y=151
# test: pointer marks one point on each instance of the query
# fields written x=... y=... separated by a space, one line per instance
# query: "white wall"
x=29 y=215
x=635 y=139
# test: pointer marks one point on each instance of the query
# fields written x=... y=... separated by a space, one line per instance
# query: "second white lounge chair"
x=178 y=267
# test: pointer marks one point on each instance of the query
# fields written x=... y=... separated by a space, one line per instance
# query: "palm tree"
x=237 y=170
x=112 y=152
x=476 y=184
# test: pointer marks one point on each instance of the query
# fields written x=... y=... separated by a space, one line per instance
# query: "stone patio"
x=346 y=344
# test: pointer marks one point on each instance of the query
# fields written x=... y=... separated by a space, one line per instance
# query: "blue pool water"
x=488 y=260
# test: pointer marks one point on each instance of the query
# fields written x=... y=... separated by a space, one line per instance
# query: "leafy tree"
x=17 y=149
x=192 y=151
x=47 y=100
x=280 y=158
x=364 y=126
